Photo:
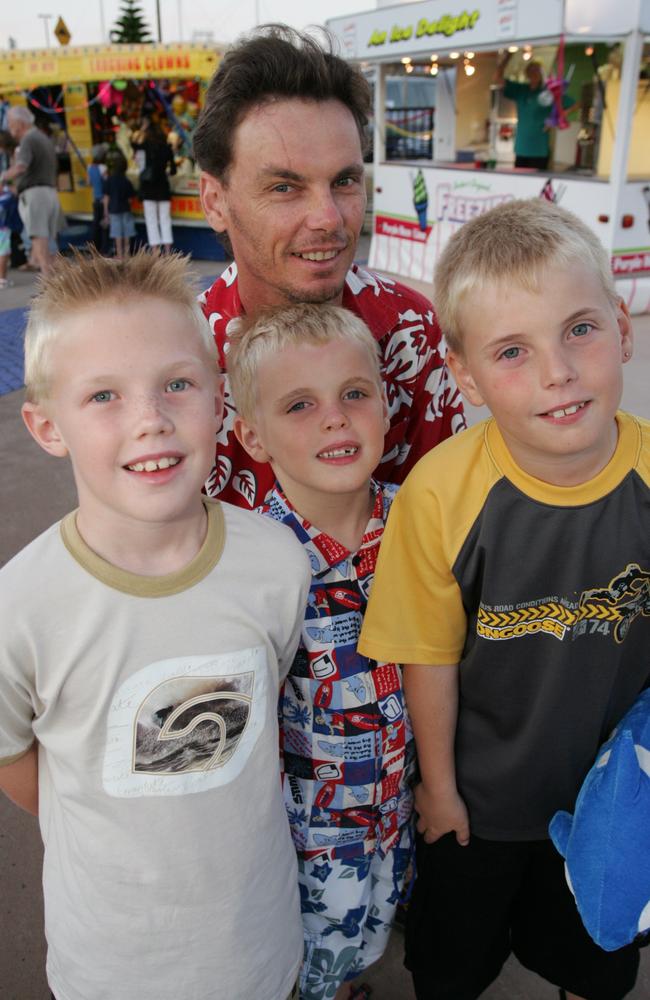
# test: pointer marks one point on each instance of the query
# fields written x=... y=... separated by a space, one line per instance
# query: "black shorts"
x=472 y=906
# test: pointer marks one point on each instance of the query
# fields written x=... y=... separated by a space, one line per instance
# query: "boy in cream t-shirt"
x=144 y=639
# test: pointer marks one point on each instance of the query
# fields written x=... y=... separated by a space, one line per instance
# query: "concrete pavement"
x=35 y=491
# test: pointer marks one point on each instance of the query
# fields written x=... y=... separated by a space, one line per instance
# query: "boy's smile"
x=132 y=401
x=548 y=366
x=320 y=421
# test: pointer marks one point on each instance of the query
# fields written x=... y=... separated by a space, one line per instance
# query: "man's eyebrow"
x=272 y=171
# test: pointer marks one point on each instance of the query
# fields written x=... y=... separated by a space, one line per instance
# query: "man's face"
x=292 y=202
x=16 y=127
x=534 y=75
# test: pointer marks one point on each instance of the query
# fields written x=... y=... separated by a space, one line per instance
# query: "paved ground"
x=36 y=490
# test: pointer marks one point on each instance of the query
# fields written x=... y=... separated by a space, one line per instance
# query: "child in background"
x=118 y=191
x=144 y=639
x=307 y=387
x=96 y=173
x=510 y=583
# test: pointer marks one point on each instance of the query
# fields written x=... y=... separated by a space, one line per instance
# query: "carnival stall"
x=93 y=96
x=594 y=51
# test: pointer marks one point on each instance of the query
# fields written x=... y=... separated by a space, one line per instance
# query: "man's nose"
x=323 y=210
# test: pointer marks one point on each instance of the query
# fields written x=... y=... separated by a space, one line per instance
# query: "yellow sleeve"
x=415 y=612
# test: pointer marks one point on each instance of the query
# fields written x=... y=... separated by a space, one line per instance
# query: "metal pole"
x=102 y=23
x=179 y=4
x=158 y=20
x=45 y=18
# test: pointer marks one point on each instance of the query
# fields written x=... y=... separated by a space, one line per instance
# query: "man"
x=34 y=170
x=534 y=106
x=280 y=144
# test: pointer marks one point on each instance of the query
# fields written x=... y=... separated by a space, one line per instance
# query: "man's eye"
x=178 y=385
x=510 y=353
x=355 y=394
x=282 y=188
x=105 y=396
x=297 y=406
x=347 y=181
x=581 y=329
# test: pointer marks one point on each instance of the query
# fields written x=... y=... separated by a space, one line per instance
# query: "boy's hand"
x=441 y=813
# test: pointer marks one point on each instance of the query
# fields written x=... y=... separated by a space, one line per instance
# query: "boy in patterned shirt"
x=307 y=386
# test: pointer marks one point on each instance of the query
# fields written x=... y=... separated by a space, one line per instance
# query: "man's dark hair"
x=275 y=62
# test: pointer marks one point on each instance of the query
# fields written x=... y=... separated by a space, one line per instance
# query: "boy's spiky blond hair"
x=512 y=244
x=287 y=326
x=85 y=282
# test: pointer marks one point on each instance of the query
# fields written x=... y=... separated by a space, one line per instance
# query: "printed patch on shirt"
x=186 y=724
x=607 y=611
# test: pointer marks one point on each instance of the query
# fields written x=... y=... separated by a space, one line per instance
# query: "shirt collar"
x=323 y=550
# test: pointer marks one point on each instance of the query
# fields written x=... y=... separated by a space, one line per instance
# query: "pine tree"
x=131 y=26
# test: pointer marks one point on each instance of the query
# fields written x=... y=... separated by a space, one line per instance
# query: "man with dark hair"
x=280 y=144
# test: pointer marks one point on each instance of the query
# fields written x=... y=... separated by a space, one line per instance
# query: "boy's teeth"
x=319 y=255
x=566 y=412
x=338 y=452
x=151 y=466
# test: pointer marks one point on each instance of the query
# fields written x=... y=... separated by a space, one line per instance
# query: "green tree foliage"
x=131 y=26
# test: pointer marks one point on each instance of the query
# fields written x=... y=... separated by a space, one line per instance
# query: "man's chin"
x=331 y=291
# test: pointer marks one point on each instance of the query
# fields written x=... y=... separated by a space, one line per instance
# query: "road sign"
x=61 y=32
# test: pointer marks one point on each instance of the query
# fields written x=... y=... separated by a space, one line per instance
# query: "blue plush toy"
x=606 y=843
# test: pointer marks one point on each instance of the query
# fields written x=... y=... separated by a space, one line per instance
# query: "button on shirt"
x=345 y=735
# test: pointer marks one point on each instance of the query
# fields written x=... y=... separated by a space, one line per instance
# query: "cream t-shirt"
x=169 y=870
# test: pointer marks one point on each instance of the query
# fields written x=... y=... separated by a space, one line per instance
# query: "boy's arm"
x=19 y=780
x=432 y=701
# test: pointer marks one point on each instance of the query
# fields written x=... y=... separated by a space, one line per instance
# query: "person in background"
x=280 y=144
x=34 y=172
x=96 y=173
x=534 y=106
x=155 y=191
x=118 y=192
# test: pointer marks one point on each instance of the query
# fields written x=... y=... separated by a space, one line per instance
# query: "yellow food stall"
x=90 y=95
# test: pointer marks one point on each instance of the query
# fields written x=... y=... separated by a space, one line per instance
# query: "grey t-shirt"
x=37 y=153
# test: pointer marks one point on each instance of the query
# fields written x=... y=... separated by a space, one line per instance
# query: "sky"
x=179 y=18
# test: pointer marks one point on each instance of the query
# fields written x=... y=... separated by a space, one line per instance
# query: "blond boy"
x=308 y=392
x=143 y=639
x=496 y=543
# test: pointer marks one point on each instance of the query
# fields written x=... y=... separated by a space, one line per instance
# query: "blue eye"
x=581 y=329
x=355 y=394
x=511 y=353
x=105 y=396
x=178 y=385
x=297 y=407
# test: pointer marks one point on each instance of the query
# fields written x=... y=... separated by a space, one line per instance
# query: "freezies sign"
x=447 y=25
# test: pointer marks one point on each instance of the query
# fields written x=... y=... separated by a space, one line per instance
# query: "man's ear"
x=213 y=201
x=43 y=429
x=464 y=379
x=248 y=437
